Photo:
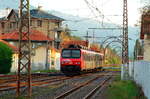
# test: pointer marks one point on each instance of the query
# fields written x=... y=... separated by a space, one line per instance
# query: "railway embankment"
x=119 y=89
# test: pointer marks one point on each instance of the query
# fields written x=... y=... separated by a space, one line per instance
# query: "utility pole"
x=87 y=36
x=24 y=62
x=125 y=57
x=93 y=36
x=47 y=47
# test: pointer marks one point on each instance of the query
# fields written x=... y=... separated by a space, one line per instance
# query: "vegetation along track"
x=102 y=83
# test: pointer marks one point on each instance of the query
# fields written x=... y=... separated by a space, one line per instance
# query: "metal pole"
x=24 y=62
x=87 y=35
x=93 y=36
x=125 y=57
x=47 y=48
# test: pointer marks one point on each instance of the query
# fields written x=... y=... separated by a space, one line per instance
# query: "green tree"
x=138 y=49
x=113 y=57
x=5 y=58
x=145 y=9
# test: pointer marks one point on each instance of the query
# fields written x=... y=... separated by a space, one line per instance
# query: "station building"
x=44 y=27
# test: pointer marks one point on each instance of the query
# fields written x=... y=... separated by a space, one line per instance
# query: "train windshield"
x=71 y=53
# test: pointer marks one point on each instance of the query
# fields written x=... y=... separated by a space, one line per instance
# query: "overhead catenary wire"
x=100 y=13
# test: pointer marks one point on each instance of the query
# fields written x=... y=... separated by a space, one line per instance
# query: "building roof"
x=145 y=26
x=35 y=13
x=4 y=13
x=42 y=14
x=9 y=45
x=34 y=36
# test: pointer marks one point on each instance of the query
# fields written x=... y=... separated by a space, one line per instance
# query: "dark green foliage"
x=5 y=58
x=146 y=10
x=138 y=49
x=76 y=37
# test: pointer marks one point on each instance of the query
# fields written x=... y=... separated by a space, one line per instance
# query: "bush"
x=5 y=58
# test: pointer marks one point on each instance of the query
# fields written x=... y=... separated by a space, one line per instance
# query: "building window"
x=39 y=23
x=56 y=35
x=31 y=22
x=17 y=25
x=14 y=24
x=3 y=25
x=10 y=25
x=56 y=45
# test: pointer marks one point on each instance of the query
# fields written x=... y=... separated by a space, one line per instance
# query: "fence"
x=139 y=71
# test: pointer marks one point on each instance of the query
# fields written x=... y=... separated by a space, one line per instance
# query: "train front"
x=70 y=61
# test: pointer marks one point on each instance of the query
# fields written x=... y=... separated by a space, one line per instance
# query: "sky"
x=111 y=9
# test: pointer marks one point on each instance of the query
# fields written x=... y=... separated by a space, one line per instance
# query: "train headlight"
x=63 y=62
x=78 y=63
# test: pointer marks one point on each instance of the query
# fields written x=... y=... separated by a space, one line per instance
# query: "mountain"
x=10 y=4
x=82 y=24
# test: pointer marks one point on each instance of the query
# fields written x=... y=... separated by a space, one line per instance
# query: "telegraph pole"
x=87 y=36
x=47 y=48
x=24 y=62
x=125 y=57
x=93 y=36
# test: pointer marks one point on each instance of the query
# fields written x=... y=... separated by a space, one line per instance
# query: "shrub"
x=5 y=58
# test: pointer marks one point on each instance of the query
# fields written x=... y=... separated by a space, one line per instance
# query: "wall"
x=47 y=26
x=140 y=72
x=14 y=67
x=38 y=61
x=55 y=59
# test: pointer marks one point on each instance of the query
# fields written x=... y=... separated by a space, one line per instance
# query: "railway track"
x=45 y=82
x=13 y=78
x=9 y=82
x=91 y=93
x=37 y=81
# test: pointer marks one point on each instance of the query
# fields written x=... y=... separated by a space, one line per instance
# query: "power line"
x=100 y=13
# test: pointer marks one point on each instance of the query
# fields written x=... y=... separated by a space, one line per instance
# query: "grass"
x=45 y=71
x=36 y=71
x=124 y=90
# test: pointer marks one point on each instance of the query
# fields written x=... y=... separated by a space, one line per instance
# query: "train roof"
x=84 y=50
x=90 y=51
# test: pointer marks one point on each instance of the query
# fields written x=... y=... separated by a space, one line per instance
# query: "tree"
x=138 y=49
x=145 y=10
x=66 y=35
x=5 y=58
x=112 y=57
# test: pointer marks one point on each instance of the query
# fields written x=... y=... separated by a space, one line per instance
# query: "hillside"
x=12 y=4
x=83 y=24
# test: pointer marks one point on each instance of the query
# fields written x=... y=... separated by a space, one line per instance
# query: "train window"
x=66 y=53
x=75 y=53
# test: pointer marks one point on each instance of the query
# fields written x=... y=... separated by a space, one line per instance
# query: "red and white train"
x=76 y=60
